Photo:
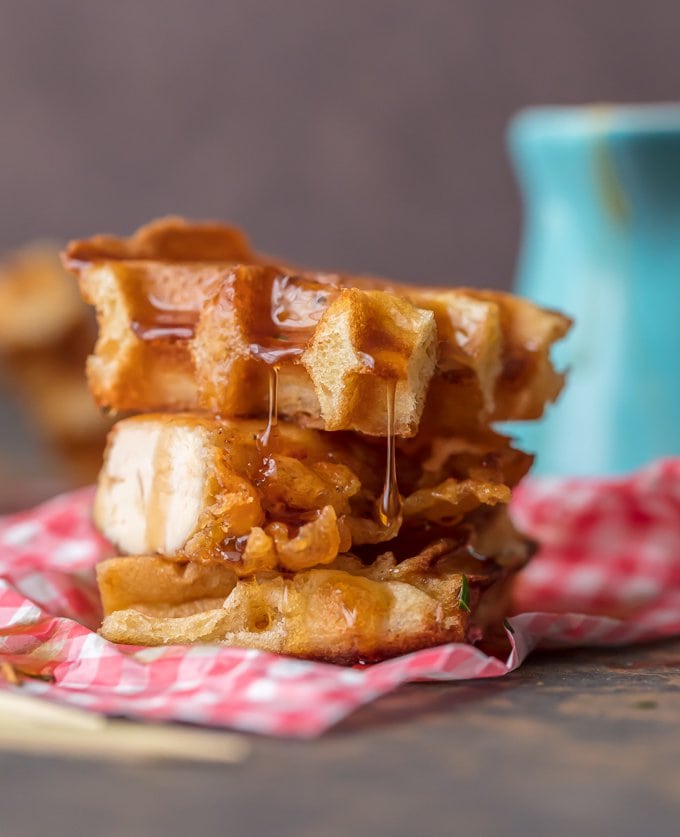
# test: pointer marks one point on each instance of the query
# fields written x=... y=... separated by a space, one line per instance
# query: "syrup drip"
x=289 y=310
x=268 y=435
x=267 y=442
x=389 y=507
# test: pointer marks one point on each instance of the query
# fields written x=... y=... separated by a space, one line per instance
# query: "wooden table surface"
x=574 y=743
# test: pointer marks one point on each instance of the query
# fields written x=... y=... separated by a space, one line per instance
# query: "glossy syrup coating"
x=189 y=307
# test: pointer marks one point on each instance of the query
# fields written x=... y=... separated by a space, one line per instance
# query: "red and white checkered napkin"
x=608 y=571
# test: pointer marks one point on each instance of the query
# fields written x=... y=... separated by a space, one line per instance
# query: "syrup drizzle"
x=290 y=309
x=268 y=435
x=389 y=506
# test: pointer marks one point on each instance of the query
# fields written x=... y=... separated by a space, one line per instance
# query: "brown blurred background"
x=359 y=135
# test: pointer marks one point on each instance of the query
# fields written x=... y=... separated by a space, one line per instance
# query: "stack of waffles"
x=309 y=464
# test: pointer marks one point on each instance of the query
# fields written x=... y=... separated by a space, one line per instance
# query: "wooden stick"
x=125 y=741
x=21 y=708
x=8 y=671
x=31 y=725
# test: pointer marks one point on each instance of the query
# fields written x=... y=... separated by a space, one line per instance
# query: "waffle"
x=315 y=471
x=191 y=319
x=346 y=613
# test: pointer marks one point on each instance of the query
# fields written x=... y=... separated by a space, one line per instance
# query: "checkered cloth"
x=608 y=573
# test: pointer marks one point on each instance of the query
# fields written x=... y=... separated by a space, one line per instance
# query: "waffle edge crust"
x=344 y=614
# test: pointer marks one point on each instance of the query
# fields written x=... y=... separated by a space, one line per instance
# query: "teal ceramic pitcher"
x=601 y=242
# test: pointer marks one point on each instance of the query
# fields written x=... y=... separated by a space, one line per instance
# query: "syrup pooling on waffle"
x=487 y=357
x=286 y=314
x=161 y=319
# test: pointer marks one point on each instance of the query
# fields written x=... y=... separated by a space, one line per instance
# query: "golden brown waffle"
x=191 y=319
x=345 y=613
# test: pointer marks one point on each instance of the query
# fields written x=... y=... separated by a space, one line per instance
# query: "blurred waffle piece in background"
x=46 y=333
